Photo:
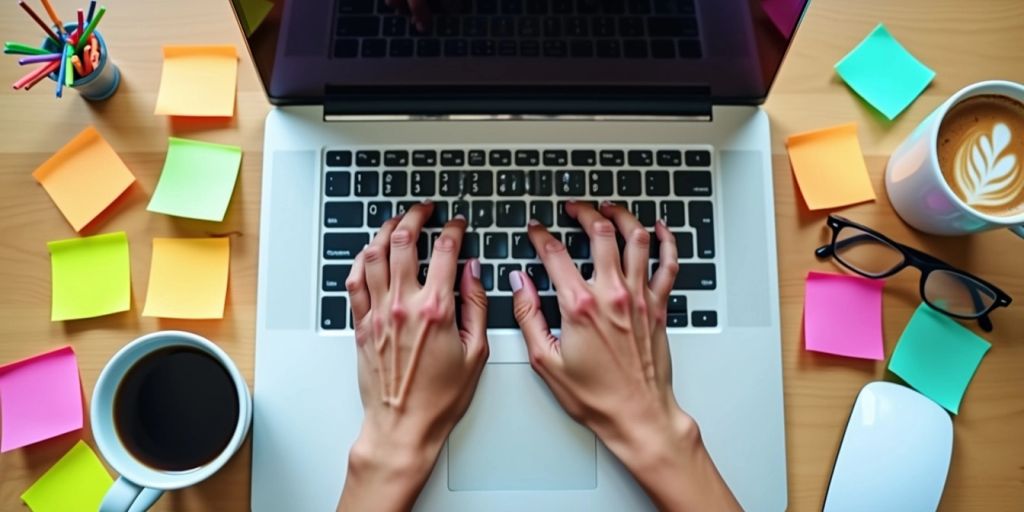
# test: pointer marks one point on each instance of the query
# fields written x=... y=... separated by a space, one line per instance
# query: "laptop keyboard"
x=499 y=190
x=630 y=29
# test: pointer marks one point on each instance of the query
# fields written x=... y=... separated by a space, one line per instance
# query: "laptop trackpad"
x=515 y=436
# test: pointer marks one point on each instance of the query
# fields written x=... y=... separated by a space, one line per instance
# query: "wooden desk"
x=963 y=41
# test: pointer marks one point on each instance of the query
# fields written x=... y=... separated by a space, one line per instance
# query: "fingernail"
x=534 y=222
x=606 y=203
x=474 y=268
x=460 y=216
x=662 y=222
x=515 y=279
x=572 y=201
x=428 y=201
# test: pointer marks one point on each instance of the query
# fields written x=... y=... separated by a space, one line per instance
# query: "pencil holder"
x=102 y=82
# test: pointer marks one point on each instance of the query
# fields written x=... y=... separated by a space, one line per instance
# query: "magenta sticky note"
x=40 y=398
x=843 y=315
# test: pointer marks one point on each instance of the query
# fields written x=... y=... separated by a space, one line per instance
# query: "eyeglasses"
x=943 y=287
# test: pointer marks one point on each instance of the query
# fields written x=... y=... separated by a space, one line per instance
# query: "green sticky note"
x=91 y=276
x=197 y=180
x=253 y=13
x=938 y=356
x=884 y=73
x=77 y=482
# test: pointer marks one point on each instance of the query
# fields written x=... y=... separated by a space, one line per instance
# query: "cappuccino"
x=981 y=153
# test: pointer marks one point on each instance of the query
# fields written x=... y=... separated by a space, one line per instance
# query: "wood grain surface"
x=963 y=42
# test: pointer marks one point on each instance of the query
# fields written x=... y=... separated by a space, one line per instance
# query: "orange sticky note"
x=84 y=177
x=829 y=167
x=198 y=81
x=188 y=278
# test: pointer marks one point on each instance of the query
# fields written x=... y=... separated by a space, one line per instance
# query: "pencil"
x=23 y=49
x=81 y=19
x=69 y=74
x=92 y=9
x=78 y=66
x=39 y=21
x=90 y=28
x=87 y=59
x=39 y=58
x=62 y=72
x=43 y=70
x=53 y=66
x=53 y=15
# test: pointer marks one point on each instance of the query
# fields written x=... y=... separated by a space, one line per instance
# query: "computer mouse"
x=895 y=453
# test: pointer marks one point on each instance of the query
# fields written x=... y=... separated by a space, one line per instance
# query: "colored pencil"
x=38 y=58
x=87 y=59
x=23 y=49
x=53 y=15
x=77 y=63
x=31 y=75
x=62 y=72
x=39 y=21
x=69 y=72
x=92 y=9
x=81 y=19
x=90 y=28
x=44 y=72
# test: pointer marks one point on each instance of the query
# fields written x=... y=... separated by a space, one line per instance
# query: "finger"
x=404 y=258
x=603 y=247
x=555 y=258
x=638 y=244
x=444 y=259
x=526 y=309
x=375 y=260
x=420 y=14
x=668 y=262
x=357 y=292
x=474 y=310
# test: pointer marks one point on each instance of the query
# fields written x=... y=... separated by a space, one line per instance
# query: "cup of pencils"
x=72 y=55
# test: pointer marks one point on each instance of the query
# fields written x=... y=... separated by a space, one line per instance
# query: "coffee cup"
x=169 y=410
x=961 y=170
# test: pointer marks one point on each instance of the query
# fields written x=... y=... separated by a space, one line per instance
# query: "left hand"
x=417 y=369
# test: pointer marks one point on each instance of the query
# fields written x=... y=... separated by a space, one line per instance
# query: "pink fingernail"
x=515 y=279
x=427 y=201
x=662 y=222
x=474 y=268
x=606 y=203
x=534 y=222
x=460 y=216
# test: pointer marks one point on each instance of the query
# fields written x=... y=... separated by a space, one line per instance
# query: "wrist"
x=655 y=444
x=388 y=469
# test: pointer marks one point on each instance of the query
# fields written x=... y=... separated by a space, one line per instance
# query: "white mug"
x=139 y=485
x=918 y=191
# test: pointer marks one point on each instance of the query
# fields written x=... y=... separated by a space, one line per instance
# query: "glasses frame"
x=923 y=262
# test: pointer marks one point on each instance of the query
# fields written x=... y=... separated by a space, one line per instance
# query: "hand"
x=611 y=369
x=417 y=370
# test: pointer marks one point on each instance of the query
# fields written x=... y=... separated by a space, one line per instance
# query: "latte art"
x=985 y=171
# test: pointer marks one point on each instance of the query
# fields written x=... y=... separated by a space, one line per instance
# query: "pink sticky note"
x=843 y=315
x=40 y=397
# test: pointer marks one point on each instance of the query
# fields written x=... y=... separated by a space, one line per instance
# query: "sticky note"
x=197 y=180
x=188 y=278
x=253 y=13
x=198 y=81
x=843 y=315
x=84 y=177
x=76 y=483
x=40 y=398
x=938 y=356
x=884 y=73
x=90 y=276
x=829 y=167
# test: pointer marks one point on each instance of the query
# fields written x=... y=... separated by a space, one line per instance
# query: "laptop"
x=504 y=110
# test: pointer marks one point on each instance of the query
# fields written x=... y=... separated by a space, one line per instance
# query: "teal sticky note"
x=884 y=73
x=938 y=356
x=197 y=179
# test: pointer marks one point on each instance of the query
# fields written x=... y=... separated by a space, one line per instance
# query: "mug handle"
x=1018 y=229
x=125 y=496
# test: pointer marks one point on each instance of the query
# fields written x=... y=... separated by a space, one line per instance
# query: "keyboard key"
x=705 y=318
x=499 y=313
x=334 y=277
x=675 y=320
x=456 y=48
x=479 y=183
x=601 y=183
x=344 y=246
x=634 y=48
x=564 y=219
x=612 y=158
x=367 y=183
x=367 y=158
x=657 y=183
x=337 y=184
x=630 y=26
x=602 y=26
x=451 y=183
x=470 y=246
x=439 y=216
x=421 y=276
x=570 y=183
x=333 y=312
x=692 y=183
x=483 y=214
x=539 y=275
x=424 y=158
x=695 y=276
x=587 y=270
x=346 y=48
x=670 y=158
x=698 y=158
x=339 y=158
x=554 y=48
x=542 y=212
x=673 y=212
x=453 y=158
x=355 y=6
x=527 y=158
x=474 y=26
x=447 y=26
x=684 y=244
x=529 y=48
x=500 y=158
x=677 y=304
x=358 y=26
x=511 y=214
x=428 y=48
x=552 y=313
x=663 y=49
x=511 y=183
x=343 y=215
x=421 y=247
x=578 y=245
x=556 y=158
x=576 y=26
x=666 y=26
x=394 y=26
x=396 y=158
x=483 y=48
x=477 y=158
x=629 y=183
x=641 y=158
x=394 y=184
x=539 y=183
x=487 y=276
x=702 y=220
x=460 y=208
x=503 y=26
x=522 y=249
x=503 y=272
x=584 y=158
x=422 y=183
x=609 y=49
x=374 y=48
x=377 y=212
x=495 y=245
x=552 y=26
x=404 y=206
x=645 y=212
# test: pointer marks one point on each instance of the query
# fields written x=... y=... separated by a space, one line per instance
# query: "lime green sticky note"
x=91 y=276
x=938 y=356
x=884 y=73
x=253 y=13
x=197 y=180
x=77 y=482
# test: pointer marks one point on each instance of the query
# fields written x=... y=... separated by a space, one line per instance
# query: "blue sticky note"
x=938 y=356
x=884 y=73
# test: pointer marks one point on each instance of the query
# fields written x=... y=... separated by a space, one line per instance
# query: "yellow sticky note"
x=198 y=81
x=829 y=167
x=91 y=276
x=77 y=482
x=84 y=177
x=188 y=278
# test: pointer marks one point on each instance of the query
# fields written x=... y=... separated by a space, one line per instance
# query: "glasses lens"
x=957 y=294
x=865 y=252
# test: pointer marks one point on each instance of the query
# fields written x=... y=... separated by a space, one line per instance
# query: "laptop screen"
x=728 y=51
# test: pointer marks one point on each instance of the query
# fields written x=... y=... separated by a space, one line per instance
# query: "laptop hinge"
x=390 y=103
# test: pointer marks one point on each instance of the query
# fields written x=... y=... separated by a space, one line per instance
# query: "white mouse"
x=895 y=454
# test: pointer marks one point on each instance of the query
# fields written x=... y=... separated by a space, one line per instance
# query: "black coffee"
x=176 y=409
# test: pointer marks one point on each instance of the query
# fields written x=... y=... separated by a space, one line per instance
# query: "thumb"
x=526 y=308
x=474 y=309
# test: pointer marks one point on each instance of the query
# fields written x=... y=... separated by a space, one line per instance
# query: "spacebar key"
x=344 y=246
x=500 y=312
